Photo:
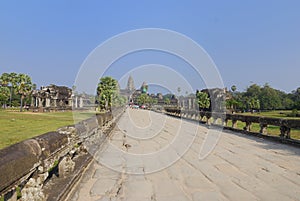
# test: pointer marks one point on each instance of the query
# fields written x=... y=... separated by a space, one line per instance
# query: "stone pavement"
x=142 y=161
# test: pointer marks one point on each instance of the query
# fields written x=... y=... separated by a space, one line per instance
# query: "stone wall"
x=221 y=119
x=27 y=166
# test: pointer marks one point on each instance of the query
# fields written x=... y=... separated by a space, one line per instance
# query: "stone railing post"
x=225 y=122
x=234 y=123
x=285 y=132
x=248 y=126
x=215 y=120
x=285 y=125
x=263 y=128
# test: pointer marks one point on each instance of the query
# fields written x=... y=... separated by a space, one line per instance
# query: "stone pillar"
x=207 y=120
x=234 y=123
x=193 y=103
x=194 y=116
x=285 y=132
x=263 y=128
x=248 y=126
x=225 y=123
x=32 y=101
x=47 y=102
x=189 y=104
x=40 y=102
x=80 y=102
x=70 y=102
x=76 y=101
x=36 y=102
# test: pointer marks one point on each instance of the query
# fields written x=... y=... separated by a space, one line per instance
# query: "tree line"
x=262 y=98
x=108 y=95
x=15 y=89
x=254 y=98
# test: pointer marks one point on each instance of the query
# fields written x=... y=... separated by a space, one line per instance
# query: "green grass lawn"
x=273 y=114
x=17 y=126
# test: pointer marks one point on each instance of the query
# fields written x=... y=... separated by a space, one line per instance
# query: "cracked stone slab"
x=239 y=168
x=103 y=186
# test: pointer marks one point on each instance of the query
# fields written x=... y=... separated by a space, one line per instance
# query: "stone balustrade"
x=26 y=167
x=221 y=119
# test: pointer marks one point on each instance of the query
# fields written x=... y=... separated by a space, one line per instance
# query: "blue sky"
x=250 y=41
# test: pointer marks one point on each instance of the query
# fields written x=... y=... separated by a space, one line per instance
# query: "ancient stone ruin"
x=52 y=96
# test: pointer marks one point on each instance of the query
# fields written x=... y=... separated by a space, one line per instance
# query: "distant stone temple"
x=129 y=89
x=132 y=94
x=161 y=101
x=188 y=103
x=217 y=98
x=52 y=96
x=130 y=84
x=81 y=101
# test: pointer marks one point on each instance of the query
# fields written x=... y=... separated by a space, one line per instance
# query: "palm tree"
x=24 y=87
x=4 y=94
x=107 y=87
x=13 y=81
x=143 y=99
x=4 y=79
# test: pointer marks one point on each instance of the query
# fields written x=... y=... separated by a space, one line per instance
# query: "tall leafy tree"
x=9 y=80
x=4 y=94
x=203 y=100
x=4 y=79
x=232 y=104
x=13 y=79
x=4 y=82
x=167 y=101
x=253 y=104
x=118 y=100
x=106 y=89
x=295 y=97
x=24 y=87
x=269 y=98
x=143 y=99
x=253 y=91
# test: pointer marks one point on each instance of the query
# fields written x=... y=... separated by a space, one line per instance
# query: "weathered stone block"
x=65 y=166
x=17 y=160
x=50 y=142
